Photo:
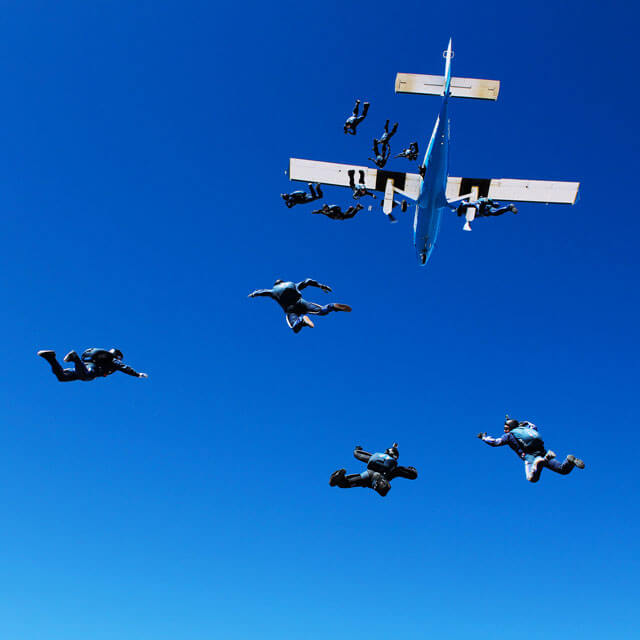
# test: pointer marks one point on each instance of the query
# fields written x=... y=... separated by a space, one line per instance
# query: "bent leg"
x=533 y=468
x=63 y=375
x=563 y=468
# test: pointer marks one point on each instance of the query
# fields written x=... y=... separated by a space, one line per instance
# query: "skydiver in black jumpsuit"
x=381 y=469
x=302 y=197
x=334 y=211
x=94 y=363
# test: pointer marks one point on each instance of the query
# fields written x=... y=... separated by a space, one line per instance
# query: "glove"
x=325 y=288
x=358 y=448
x=143 y=375
x=482 y=435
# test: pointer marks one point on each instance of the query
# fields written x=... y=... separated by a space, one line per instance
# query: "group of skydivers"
x=521 y=436
x=484 y=207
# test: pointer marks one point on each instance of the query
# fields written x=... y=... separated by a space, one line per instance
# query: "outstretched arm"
x=410 y=473
x=360 y=454
x=130 y=371
x=261 y=292
x=507 y=438
x=313 y=283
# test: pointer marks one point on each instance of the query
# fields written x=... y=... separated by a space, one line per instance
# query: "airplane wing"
x=407 y=184
x=545 y=191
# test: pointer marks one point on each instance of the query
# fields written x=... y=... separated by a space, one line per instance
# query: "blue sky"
x=144 y=149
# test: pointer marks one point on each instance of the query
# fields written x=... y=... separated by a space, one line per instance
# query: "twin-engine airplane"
x=436 y=192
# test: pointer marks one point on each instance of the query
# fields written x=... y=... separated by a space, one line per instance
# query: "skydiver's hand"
x=358 y=448
x=482 y=435
x=252 y=295
x=143 y=375
x=325 y=288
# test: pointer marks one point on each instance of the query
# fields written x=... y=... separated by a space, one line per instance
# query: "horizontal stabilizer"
x=509 y=190
x=460 y=87
x=407 y=184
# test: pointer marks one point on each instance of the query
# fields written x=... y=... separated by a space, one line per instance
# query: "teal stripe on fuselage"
x=432 y=201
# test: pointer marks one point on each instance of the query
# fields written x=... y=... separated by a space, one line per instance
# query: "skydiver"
x=411 y=153
x=302 y=197
x=94 y=363
x=525 y=440
x=359 y=190
x=381 y=469
x=380 y=158
x=354 y=120
x=288 y=296
x=334 y=211
x=484 y=207
x=387 y=135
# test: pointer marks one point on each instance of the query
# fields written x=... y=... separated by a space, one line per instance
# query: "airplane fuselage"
x=432 y=201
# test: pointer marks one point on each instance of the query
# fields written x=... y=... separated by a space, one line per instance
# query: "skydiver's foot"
x=392 y=218
x=513 y=208
x=47 y=354
x=549 y=455
x=403 y=206
x=306 y=321
x=71 y=356
x=337 y=477
x=341 y=307
x=576 y=461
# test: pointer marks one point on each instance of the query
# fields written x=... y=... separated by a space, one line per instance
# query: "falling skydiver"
x=354 y=120
x=381 y=155
x=94 y=363
x=288 y=296
x=411 y=153
x=335 y=212
x=525 y=440
x=484 y=207
x=302 y=197
x=359 y=190
x=381 y=469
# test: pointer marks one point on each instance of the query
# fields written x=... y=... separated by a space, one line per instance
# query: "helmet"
x=117 y=354
x=277 y=282
x=510 y=422
x=393 y=451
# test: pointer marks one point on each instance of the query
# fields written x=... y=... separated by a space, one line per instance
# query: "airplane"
x=433 y=190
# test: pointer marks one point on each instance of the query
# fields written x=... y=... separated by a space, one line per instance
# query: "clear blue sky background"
x=144 y=147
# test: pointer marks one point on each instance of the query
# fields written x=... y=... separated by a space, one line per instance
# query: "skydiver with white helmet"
x=525 y=440
x=94 y=363
x=335 y=212
x=354 y=119
x=381 y=469
x=288 y=296
x=302 y=197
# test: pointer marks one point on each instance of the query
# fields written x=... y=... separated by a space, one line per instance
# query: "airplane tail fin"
x=448 y=54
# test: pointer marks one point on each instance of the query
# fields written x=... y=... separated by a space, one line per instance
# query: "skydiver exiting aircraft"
x=484 y=207
x=387 y=135
x=359 y=190
x=381 y=156
x=411 y=153
x=381 y=469
x=354 y=120
x=288 y=296
x=302 y=197
x=525 y=440
x=94 y=363
x=334 y=211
